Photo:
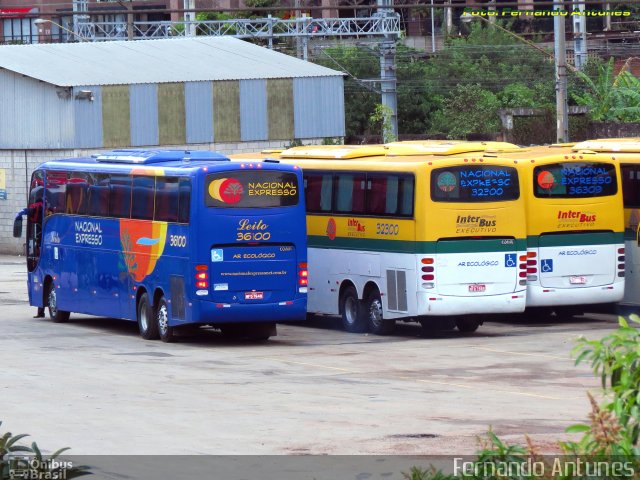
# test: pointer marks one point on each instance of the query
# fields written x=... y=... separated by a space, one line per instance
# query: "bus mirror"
x=17 y=227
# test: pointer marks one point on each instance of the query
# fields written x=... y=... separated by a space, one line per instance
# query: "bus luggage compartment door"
x=586 y=260
x=476 y=267
x=253 y=273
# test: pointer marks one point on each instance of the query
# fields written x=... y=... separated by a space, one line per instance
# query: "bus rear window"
x=474 y=183
x=574 y=180
x=251 y=189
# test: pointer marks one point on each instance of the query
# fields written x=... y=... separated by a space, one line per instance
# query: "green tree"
x=610 y=97
x=416 y=104
x=469 y=109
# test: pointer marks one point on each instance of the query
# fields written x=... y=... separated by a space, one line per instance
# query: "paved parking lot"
x=93 y=384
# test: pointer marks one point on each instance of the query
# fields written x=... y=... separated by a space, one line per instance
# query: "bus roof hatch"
x=146 y=157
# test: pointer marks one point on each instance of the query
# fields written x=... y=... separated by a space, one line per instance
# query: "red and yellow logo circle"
x=226 y=190
x=546 y=179
x=331 y=229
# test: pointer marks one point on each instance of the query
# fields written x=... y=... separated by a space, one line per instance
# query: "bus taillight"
x=621 y=259
x=428 y=272
x=303 y=277
x=531 y=267
x=202 y=277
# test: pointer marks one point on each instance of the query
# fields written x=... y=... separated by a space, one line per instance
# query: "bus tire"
x=261 y=332
x=148 y=327
x=467 y=325
x=567 y=313
x=167 y=332
x=353 y=314
x=375 y=321
x=57 y=316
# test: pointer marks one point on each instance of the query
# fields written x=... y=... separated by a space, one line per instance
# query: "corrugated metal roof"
x=153 y=61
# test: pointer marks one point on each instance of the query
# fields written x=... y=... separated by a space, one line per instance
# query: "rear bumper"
x=204 y=312
x=538 y=296
x=434 y=304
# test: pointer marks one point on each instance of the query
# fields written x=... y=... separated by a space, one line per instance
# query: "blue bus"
x=168 y=238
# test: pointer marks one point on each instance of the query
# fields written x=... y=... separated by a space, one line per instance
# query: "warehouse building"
x=214 y=93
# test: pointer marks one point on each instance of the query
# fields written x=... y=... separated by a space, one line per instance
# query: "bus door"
x=35 y=217
x=632 y=266
x=489 y=266
x=587 y=260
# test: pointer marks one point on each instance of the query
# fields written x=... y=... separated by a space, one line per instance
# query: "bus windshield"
x=251 y=189
x=574 y=180
x=474 y=183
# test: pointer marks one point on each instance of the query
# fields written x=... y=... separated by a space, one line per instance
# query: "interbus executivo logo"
x=476 y=223
x=571 y=218
x=355 y=228
x=226 y=190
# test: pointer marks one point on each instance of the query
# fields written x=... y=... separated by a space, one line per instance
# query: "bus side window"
x=377 y=195
x=76 y=192
x=56 y=192
x=631 y=186
x=166 y=199
x=184 y=202
x=120 y=196
x=313 y=192
x=142 y=198
x=406 y=196
x=98 y=202
x=350 y=193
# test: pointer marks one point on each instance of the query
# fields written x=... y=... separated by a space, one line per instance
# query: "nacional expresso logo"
x=226 y=190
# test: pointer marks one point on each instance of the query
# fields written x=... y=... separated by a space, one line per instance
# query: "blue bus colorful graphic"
x=168 y=238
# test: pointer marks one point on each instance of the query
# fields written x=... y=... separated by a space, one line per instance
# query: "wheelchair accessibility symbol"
x=546 y=265
x=217 y=255
x=509 y=259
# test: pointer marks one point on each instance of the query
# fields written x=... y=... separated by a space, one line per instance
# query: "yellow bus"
x=575 y=247
x=407 y=239
x=626 y=152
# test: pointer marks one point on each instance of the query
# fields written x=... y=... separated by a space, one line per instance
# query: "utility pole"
x=433 y=28
x=388 y=71
x=448 y=18
x=579 y=35
x=80 y=16
x=129 y=8
x=190 y=18
x=560 y=55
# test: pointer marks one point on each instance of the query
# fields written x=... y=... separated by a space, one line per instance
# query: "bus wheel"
x=262 y=331
x=353 y=315
x=162 y=319
x=467 y=325
x=58 y=316
x=148 y=328
x=373 y=309
x=566 y=313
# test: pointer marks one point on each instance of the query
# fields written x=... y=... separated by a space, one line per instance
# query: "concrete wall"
x=19 y=164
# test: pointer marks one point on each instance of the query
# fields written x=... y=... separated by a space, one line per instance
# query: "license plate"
x=477 y=287
x=577 y=280
x=253 y=295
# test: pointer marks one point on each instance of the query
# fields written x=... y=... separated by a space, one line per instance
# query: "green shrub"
x=31 y=462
